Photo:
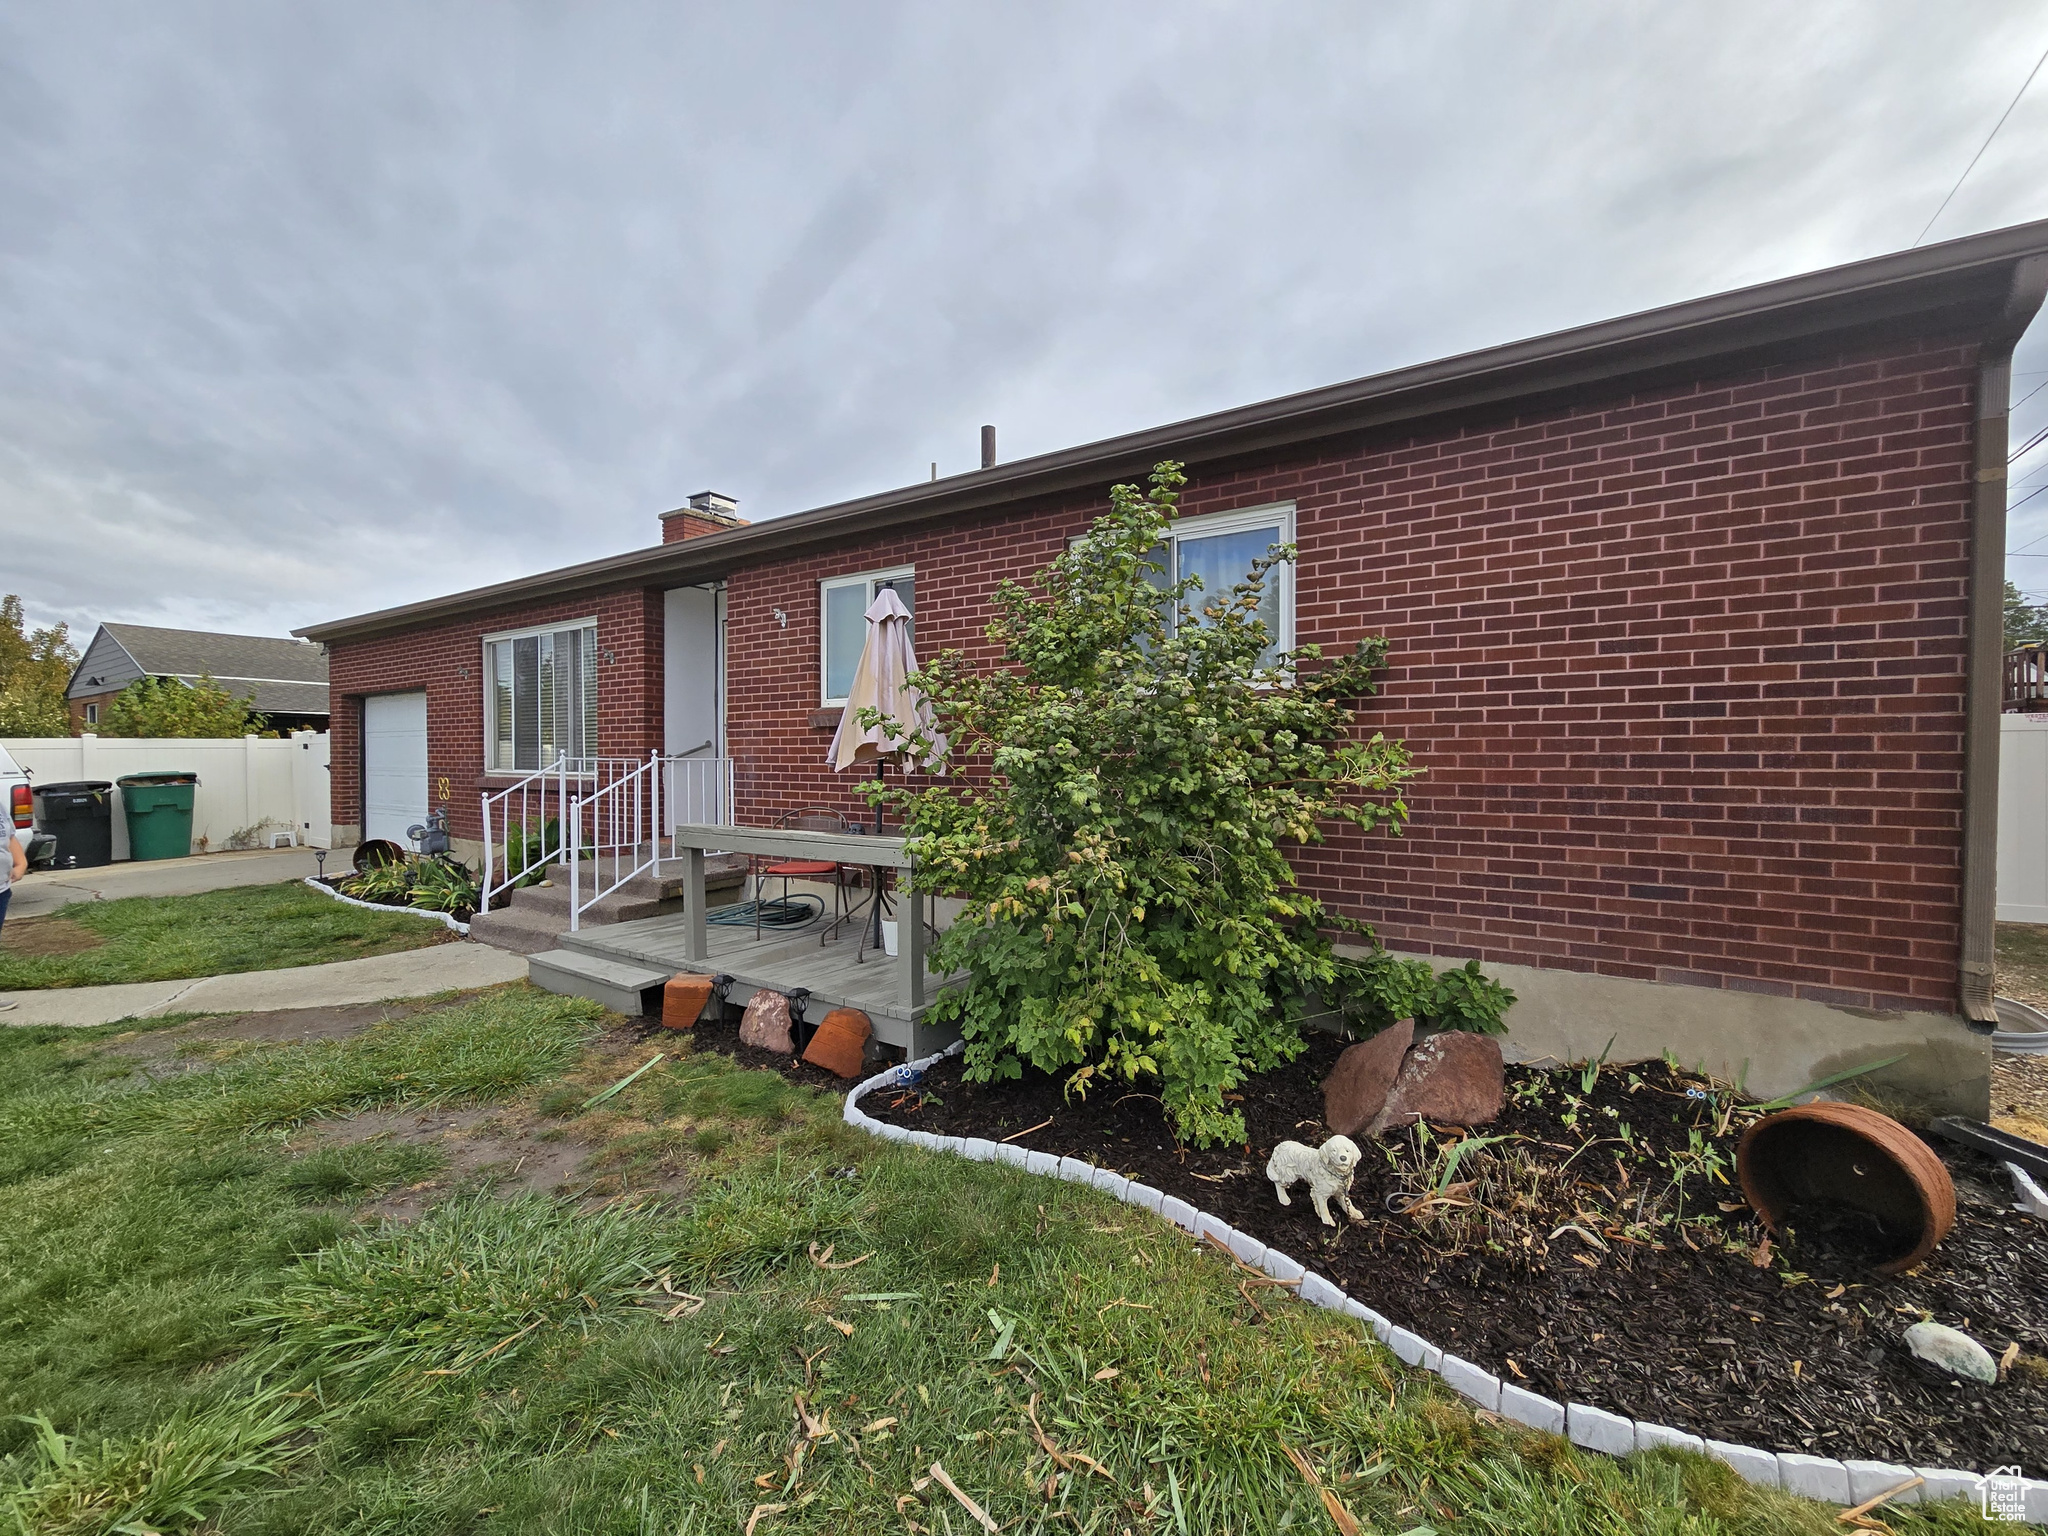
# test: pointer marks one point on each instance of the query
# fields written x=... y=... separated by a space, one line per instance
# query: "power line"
x=1952 y=191
x=2032 y=443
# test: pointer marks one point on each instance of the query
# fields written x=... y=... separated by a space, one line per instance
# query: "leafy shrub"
x=165 y=706
x=1130 y=910
x=1373 y=992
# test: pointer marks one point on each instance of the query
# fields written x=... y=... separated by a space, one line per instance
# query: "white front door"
x=693 y=672
x=394 y=765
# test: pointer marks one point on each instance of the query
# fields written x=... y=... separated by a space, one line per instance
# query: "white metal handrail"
x=624 y=821
x=607 y=818
x=533 y=806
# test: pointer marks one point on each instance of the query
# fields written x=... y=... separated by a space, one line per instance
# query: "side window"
x=843 y=629
x=1219 y=547
x=92 y=714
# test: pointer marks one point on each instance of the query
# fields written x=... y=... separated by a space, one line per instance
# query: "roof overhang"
x=1959 y=287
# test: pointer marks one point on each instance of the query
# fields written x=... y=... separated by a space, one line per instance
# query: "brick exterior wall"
x=1685 y=667
x=446 y=661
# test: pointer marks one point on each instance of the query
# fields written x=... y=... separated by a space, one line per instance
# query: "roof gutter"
x=1981 y=727
x=1964 y=283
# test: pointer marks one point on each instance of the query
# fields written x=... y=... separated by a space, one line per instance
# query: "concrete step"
x=522 y=932
x=621 y=986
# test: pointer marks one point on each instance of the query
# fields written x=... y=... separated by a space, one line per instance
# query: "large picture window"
x=540 y=697
x=842 y=613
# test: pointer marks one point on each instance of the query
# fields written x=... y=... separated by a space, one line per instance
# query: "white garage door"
x=394 y=765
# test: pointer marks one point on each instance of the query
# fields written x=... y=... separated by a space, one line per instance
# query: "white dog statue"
x=1327 y=1171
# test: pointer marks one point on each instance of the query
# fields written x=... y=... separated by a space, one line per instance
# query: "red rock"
x=683 y=1000
x=840 y=1042
x=1357 y=1086
x=765 y=1025
x=1455 y=1078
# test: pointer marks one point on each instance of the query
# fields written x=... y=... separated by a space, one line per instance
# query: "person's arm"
x=20 y=853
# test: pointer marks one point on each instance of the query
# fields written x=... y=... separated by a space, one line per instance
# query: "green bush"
x=1136 y=771
x=1373 y=992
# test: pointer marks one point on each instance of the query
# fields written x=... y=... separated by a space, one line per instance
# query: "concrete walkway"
x=46 y=891
x=380 y=978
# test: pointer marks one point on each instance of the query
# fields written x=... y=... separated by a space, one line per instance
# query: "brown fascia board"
x=1952 y=288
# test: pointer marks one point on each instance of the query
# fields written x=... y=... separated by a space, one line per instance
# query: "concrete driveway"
x=41 y=893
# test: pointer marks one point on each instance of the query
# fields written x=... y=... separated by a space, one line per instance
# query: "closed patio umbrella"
x=886 y=660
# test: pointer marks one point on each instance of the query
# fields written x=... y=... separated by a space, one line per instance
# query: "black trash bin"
x=81 y=817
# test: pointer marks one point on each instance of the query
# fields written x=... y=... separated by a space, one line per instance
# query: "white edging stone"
x=1467 y=1379
x=1594 y=1429
x=1318 y=1292
x=1814 y=1477
x=1750 y=1464
x=1282 y=1268
x=1598 y=1430
x=1867 y=1479
x=1177 y=1211
x=377 y=906
x=2032 y=1198
x=1535 y=1411
x=1650 y=1436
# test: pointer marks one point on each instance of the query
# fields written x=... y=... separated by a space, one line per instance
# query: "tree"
x=35 y=667
x=165 y=706
x=2025 y=623
x=1128 y=782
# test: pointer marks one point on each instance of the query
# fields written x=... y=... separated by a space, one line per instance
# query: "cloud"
x=304 y=313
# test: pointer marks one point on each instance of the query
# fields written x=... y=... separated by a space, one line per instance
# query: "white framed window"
x=540 y=696
x=1220 y=547
x=92 y=714
x=842 y=624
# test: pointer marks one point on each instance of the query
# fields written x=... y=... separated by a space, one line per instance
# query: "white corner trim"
x=377 y=906
x=1593 y=1429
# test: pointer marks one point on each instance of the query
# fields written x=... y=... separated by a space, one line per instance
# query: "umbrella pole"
x=877 y=871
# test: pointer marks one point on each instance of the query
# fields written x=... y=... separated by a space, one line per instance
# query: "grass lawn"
x=743 y=1315
x=169 y=938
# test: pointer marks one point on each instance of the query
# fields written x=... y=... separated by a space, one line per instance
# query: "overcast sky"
x=311 y=310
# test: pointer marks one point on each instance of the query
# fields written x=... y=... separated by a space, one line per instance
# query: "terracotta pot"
x=1849 y=1155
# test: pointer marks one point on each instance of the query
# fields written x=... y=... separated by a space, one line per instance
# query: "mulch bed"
x=1678 y=1327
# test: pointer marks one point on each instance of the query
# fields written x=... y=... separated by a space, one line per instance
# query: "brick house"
x=1695 y=627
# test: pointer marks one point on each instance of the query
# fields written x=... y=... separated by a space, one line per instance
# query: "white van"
x=17 y=800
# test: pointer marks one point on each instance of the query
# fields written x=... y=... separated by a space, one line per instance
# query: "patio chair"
x=774 y=866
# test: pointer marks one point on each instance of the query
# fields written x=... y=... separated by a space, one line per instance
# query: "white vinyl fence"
x=2023 y=819
x=252 y=790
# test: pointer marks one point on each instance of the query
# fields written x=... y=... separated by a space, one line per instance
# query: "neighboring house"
x=287 y=678
x=1696 y=629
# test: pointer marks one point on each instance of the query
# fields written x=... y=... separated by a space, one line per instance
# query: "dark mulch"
x=1802 y=1354
x=724 y=1037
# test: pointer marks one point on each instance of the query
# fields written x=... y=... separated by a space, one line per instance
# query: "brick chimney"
x=707 y=512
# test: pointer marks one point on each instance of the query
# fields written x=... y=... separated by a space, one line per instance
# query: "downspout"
x=1984 y=699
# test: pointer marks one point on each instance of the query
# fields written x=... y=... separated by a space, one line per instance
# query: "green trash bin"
x=159 y=810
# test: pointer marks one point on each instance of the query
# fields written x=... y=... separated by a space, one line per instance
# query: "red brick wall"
x=1685 y=668
x=446 y=660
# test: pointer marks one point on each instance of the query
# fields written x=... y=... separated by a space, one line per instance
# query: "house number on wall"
x=441 y=787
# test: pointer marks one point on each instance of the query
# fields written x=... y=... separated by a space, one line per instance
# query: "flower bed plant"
x=1137 y=771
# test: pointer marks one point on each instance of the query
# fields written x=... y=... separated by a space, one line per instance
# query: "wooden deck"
x=781 y=963
x=894 y=991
